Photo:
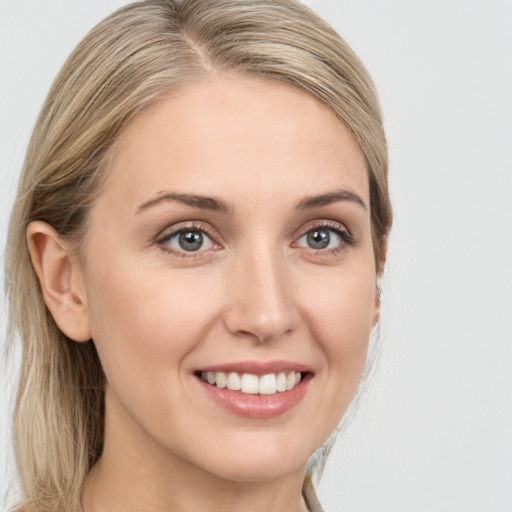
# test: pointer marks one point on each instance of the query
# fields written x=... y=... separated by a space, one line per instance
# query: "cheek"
x=341 y=317
x=148 y=320
x=143 y=330
x=341 y=309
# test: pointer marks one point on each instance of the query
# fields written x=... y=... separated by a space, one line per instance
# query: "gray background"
x=434 y=432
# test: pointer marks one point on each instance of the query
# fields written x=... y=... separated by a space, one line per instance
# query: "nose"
x=261 y=303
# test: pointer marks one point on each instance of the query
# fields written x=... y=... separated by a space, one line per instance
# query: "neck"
x=104 y=493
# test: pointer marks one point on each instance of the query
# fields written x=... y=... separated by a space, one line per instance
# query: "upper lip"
x=257 y=367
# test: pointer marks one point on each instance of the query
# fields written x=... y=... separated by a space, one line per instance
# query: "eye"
x=319 y=238
x=325 y=238
x=187 y=240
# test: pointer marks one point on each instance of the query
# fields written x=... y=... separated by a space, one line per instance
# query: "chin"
x=269 y=458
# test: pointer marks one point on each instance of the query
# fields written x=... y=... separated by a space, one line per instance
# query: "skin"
x=255 y=292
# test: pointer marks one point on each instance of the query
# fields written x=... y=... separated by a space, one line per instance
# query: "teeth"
x=251 y=384
x=290 y=381
x=221 y=380
x=233 y=381
x=268 y=384
x=281 y=382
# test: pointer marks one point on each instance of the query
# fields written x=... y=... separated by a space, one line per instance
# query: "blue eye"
x=322 y=238
x=188 y=240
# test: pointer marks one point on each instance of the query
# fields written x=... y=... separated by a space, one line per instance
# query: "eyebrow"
x=196 y=201
x=310 y=202
x=218 y=205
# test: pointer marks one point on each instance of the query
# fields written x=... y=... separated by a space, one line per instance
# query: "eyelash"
x=346 y=238
x=168 y=234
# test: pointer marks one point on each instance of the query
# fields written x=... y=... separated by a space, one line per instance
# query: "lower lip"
x=257 y=406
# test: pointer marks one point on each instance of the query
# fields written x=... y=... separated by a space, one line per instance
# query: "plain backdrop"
x=434 y=433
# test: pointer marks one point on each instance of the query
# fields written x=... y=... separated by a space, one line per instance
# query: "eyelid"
x=347 y=238
x=192 y=225
x=324 y=223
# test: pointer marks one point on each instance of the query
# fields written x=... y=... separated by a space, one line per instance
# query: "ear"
x=376 y=307
x=380 y=270
x=60 y=277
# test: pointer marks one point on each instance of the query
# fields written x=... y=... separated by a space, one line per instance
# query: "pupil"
x=191 y=240
x=318 y=239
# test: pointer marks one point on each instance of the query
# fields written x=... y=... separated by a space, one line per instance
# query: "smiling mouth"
x=255 y=390
x=251 y=384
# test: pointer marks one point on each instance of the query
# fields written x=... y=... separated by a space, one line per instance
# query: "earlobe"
x=59 y=274
x=376 y=310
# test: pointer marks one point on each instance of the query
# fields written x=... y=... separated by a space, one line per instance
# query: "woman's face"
x=232 y=237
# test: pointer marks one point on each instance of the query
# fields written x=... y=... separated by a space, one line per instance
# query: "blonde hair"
x=127 y=62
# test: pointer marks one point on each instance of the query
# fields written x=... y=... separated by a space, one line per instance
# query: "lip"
x=256 y=406
x=257 y=367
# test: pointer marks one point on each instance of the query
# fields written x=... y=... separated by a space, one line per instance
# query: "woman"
x=193 y=260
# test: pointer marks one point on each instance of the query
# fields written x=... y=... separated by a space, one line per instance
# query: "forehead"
x=238 y=137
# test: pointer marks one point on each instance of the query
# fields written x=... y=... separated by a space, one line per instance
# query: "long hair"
x=126 y=63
